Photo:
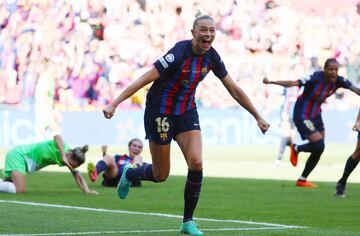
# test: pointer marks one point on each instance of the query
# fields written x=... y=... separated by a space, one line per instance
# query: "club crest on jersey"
x=169 y=57
x=184 y=82
x=204 y=71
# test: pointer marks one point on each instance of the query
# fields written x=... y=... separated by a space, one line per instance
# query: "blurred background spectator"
x=81 y=54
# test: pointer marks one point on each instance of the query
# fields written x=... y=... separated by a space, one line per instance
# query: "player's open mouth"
x=206 y=43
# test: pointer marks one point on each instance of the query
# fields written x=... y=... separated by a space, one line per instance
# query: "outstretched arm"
x=238 y=94
x=284 y=83
x=145 y=79
x=80 y=181
x=60 y=144
x=355 y=89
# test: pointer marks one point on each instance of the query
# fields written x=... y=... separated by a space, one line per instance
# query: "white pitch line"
x=140 y=231
x=149 y=214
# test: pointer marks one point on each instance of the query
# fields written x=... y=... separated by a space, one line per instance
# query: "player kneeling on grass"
x=33 y=157
x=113 y=166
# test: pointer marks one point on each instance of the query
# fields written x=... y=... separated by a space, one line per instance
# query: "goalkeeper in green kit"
x=32 y=157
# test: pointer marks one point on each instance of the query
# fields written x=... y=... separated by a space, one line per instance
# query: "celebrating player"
x=307 y=113
x=171 y=112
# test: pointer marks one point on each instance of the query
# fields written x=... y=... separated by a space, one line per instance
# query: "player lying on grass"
x=32 y=157
x=113 y=166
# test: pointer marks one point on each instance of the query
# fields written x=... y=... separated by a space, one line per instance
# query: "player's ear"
x=68 y=154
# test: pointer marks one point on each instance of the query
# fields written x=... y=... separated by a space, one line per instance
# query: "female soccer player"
x=351 y=163
x=33 y=157
x=171 y=112
x=113 y=166
x=307 y=113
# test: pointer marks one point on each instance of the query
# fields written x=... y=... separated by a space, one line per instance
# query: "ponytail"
x=78 y=154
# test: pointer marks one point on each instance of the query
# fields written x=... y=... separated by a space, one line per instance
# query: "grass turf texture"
x=270 y=201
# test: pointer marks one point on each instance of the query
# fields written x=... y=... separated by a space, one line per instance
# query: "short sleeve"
x=219 y=68
x=304 y=80
x=344 y=83
x=168 y=61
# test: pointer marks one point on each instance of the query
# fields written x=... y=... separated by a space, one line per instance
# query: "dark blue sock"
x=101 y=166
x=317 y=149
x=317 y=146
x=349 y=167
x=143 y=172
x=192 y=193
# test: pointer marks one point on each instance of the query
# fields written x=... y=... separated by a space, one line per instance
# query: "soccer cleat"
x=190 y=228
x=92 y=172
x=306 y=184
x=293 y=155
x=340 y=190
x=124 y=184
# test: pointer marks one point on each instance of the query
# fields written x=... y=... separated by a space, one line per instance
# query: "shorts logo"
x=309 y=125
x=163 y=136
x=169 y=57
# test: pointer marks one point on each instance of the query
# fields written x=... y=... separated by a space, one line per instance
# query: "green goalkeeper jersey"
x=39 y=155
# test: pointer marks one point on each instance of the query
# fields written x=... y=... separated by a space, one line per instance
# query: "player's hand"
x=356 y=127
x=92 y=192
x=109 y=111
x=263 y=125
x=266 y=80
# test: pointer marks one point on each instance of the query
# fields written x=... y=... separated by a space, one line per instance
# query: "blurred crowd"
x=78 y=55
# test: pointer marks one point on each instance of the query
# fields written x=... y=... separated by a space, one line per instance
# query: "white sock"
x=7 y=187
x=302 y=178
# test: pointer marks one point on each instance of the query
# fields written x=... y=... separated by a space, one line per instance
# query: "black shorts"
x=110 y=182
x=163 y=128
x=113 y=182
x=309 y=126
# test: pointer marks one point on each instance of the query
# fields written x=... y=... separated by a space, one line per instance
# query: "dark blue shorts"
x=308 y=127
x=161 y=129
x=358 y=135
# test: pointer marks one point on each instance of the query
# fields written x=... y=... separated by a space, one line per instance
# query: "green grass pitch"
x=54 y=205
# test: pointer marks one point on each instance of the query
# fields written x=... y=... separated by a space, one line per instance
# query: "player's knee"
x=356 y=155
x=108 y=159
x=20 y=189
x=160 y=177
x=196 y=166
x=318 y=146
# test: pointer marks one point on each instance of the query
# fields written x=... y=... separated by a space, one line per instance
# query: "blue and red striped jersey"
x=180 y=73
x=121 y=160
x=316 y=90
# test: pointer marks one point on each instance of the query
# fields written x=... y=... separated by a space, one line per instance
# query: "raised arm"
x=80 y=181
x=284 y=83
x=238 y=94
x=145 y=79
x=60 y=144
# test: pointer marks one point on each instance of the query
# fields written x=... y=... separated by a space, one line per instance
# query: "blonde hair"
x=200 y=16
